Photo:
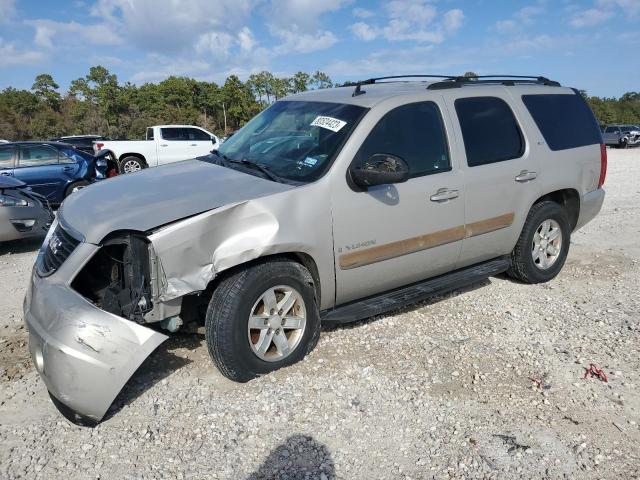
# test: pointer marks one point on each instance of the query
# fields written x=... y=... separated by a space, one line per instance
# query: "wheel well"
x=194 y=306
x=137 y=155
x=567 y=198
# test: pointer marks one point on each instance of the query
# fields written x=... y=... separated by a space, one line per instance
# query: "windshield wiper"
x=266 y=171
x=263 y=168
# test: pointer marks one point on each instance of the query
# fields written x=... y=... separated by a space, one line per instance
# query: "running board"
x=414 y=293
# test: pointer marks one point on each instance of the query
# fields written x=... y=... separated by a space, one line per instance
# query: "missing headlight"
x=117 y=278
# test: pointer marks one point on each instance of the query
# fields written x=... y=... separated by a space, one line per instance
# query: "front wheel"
x=543 y=245
x=262 y=318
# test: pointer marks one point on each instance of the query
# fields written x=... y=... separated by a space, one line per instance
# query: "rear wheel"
x=262 y=318
x=75 y=186
x=543 y=245
x=131 y=164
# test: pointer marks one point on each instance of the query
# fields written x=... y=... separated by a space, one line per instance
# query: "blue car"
x=54 y=170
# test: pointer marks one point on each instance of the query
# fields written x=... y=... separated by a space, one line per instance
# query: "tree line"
x=98 y=104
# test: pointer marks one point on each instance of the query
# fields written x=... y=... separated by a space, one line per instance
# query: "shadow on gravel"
x=300 y=457
x=160 y=364
x=20 y=246
x=411 y=307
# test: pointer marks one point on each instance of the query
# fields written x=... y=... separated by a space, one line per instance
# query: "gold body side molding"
x=391 y=250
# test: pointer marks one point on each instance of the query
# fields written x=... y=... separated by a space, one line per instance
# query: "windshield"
x=294 y=140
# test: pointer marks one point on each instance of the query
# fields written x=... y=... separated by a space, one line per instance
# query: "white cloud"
x=295 y=41
x=453 y=20
x=362 y=13
x=172 y=25
x=303 y=14
x=11 y=55
x=7 y=10
x=363 y=31
x=506 y=26
x=525 y=16
x=246 y=39
x=590 y=17
x=411 y=20
x=50 y=32
x=604 y=10
x=296 y=23
x=214 y=43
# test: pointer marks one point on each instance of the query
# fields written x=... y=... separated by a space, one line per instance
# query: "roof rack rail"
x=358 y=90
x=509 y=80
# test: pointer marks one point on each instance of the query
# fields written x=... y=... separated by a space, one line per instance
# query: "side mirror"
x=102 y=154
x=380 y=169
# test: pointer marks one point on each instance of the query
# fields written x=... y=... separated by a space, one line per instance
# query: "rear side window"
x=149 y=133
x=6 y=157
x=195 y=134
x=611 y=130
x=489 y=129
x=170 y=133
x=413 y=132
x=37 y=155
x=565 y=121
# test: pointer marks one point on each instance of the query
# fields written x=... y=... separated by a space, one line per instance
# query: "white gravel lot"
x=440 y=390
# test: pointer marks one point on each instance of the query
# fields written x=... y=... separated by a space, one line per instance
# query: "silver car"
x=328 y=207
x=23 y=213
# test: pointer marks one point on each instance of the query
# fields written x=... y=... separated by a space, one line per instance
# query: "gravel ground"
x=485 y=383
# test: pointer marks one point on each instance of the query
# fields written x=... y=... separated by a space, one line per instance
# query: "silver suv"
x=328 y=207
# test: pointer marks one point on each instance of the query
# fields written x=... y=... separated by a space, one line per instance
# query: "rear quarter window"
x=565 y=121
x=489 y=129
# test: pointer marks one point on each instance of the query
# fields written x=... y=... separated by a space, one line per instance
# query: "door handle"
x=194 y=144
x=444 y=195
x=67 y=169
x=164 y=145
x=6 y=174
x=526 y=176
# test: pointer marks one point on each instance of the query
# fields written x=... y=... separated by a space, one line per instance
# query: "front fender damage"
x=193 y=251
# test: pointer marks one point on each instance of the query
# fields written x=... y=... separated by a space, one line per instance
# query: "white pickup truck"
x=163 y=144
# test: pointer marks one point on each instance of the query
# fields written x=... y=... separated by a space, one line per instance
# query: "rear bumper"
x=83 y=354
x=590 y=206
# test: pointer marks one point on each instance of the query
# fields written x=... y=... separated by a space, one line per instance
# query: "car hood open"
x=150 y=198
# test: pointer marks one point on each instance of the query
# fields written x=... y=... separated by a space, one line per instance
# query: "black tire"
x=75 y=185
x=129 y=161
x=523 y=266
x=624 y=144
x=226 y=325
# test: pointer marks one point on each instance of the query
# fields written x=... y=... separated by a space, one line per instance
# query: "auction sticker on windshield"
x=329 y=123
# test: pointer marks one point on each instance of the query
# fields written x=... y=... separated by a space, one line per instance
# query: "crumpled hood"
x=147 y=199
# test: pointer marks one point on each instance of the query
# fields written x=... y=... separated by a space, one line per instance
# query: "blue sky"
x=590 y=44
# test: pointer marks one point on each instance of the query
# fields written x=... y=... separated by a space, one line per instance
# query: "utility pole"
x=224 y=112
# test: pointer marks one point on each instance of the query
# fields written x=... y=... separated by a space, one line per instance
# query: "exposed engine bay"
x=117 y=279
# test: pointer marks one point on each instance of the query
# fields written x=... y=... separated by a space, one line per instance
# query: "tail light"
x=603 y=164
x=98 y=146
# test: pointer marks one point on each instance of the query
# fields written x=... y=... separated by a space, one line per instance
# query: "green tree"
x=46 y=89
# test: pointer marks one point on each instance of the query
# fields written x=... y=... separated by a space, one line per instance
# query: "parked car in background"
x=621 y=136
x=4 y=141
x=53 y=169
x=328 y=207
x=23 y=213
x=163 y=144
x=81 y=142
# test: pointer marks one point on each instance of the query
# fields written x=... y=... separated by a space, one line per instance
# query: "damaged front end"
x=84 y=309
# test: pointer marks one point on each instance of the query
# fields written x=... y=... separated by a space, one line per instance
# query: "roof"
x=380 y=91
x=39 y=142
